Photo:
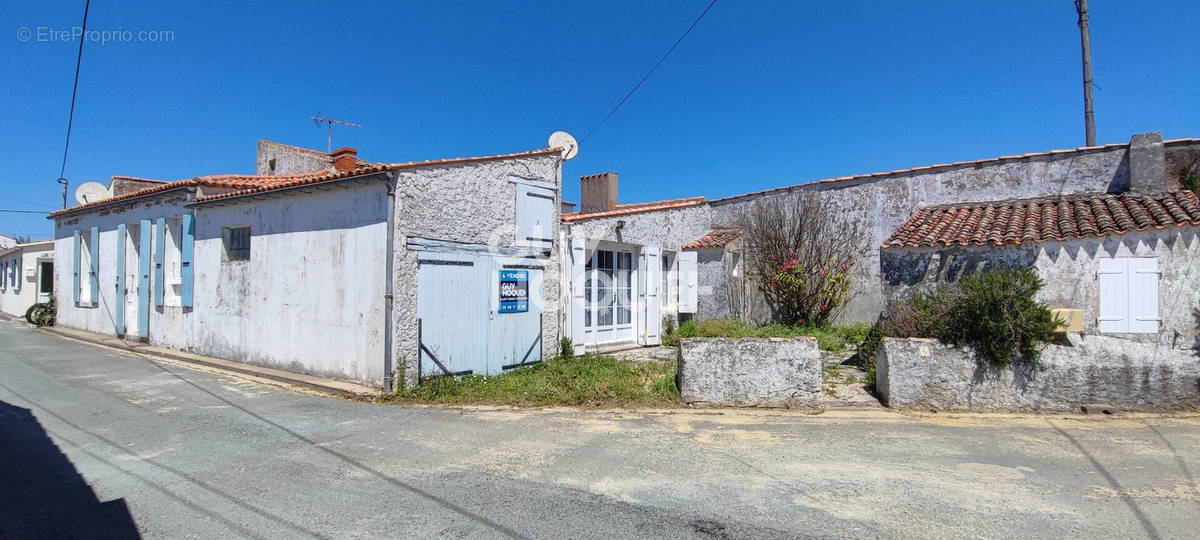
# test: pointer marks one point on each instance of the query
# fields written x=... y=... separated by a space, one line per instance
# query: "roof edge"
x=936 y=166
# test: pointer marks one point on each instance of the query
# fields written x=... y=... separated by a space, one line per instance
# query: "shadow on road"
x=42 y=494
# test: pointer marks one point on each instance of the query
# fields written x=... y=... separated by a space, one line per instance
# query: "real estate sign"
x=514 y=291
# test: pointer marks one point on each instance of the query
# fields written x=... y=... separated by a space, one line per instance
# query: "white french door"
x=608 y=296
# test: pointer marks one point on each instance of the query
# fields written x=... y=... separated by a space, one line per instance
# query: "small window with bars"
x=237 y=243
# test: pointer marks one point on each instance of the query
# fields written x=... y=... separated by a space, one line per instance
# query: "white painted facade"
x=629 y=273
x=26 y=276
x=317 y=292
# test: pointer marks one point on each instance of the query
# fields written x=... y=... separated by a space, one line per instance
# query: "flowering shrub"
x=800 y=258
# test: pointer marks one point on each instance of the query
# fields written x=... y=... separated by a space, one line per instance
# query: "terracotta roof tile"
x=1042 y=220
x=636 y=208
x=247 y=184
x=715 y=240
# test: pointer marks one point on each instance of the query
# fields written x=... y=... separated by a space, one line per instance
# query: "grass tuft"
x=580 y=381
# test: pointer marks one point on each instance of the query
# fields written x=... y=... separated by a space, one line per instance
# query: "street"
x=201 y=454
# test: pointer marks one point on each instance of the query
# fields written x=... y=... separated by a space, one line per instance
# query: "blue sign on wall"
x=514 y=291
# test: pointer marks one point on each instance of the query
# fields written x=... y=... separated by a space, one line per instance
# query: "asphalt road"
x=168 y=450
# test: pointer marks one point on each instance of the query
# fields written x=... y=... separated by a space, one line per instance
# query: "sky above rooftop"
x=760 y=94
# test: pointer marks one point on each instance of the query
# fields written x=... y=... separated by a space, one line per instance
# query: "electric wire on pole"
x=1085 y=38
x=648 y=73
x=62 y=173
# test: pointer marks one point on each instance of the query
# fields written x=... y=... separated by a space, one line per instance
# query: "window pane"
x=587 y=317
x=623 y=315
x=625 y=260
x=623 y=298
x=606 y=316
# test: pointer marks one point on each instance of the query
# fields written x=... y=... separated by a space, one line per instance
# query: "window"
x=608 y=286
x=173 y=262
x=1128 y=295
x=237 y=243
x=535 y=214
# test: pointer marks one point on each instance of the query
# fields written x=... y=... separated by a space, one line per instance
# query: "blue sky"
x=760 y=94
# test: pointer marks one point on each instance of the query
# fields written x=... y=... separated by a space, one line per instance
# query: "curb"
x=328 y=386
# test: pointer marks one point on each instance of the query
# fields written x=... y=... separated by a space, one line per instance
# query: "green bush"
x=566 y=349
x=993 y=312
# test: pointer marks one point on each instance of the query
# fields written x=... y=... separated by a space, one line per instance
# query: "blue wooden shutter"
x=185 y=263
x=144 y=278
x=119 y=302
x=94 y=266
x=75 y=268
x=160 y=250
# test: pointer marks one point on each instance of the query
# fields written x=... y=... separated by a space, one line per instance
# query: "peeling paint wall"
x=470 y=203
x=311 y=297
x=1069 y=271
x=883 y=203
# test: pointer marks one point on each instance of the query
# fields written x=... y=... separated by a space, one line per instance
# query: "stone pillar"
x=1147 y=163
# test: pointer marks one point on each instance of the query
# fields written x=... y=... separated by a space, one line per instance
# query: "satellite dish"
x=91 y=192
x=564 y=140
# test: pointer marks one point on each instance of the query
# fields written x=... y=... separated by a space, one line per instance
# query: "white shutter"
x=688 y=281
x=1143 y=295
x=1113 y=277
x=652 y=319
x=577 y=255
x=535 y=216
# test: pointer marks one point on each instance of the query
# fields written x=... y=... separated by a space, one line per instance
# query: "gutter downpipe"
x=389 y=378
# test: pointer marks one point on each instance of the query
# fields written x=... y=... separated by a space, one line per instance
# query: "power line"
x=22 y=201
x=22 y=211
x=74 y=89
x=648 y=73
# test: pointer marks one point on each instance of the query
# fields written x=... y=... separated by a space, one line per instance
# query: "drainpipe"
x=389 y=379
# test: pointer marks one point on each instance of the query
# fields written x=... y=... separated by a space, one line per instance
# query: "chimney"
x=345 y=159
x=1147 y=163
x=598 y=192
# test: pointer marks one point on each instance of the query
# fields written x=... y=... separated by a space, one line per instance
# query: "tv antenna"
x=329 y=122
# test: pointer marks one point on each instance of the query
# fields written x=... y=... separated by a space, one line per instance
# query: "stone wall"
x=882 y=202
x=274 y=158
x=750 y=372
x=924 y=374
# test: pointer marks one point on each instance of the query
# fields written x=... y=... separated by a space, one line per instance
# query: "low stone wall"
x=750 y=372
x=1090 y=371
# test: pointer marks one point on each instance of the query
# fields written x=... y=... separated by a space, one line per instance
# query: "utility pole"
x=1089 y=118
x=330 y=122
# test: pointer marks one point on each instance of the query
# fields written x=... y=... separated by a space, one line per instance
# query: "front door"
x=45 y=281
x=608 y=287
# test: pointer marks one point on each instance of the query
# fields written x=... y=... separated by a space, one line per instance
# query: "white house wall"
x=670 y=229
x=16 y=300
x=473 y=204
x=165 y=323
x=311 y=297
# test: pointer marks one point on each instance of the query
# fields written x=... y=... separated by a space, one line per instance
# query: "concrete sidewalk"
x=310 y=382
